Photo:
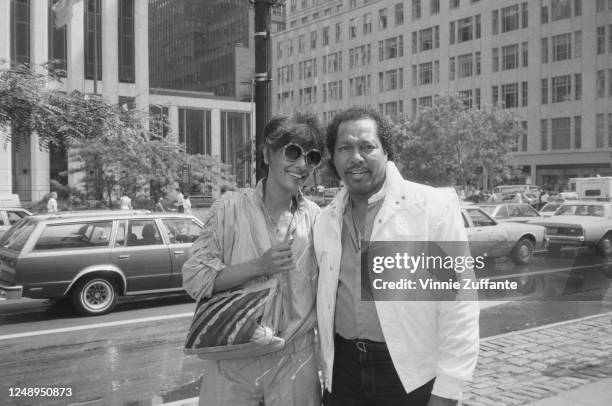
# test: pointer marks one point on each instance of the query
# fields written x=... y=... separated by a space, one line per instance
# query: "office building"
x=549 y=61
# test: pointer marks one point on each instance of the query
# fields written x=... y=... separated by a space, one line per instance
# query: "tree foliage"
x=449 y=142
x=112 y=147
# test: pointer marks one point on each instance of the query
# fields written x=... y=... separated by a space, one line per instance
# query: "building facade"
x=548 y=60
x=104 y=50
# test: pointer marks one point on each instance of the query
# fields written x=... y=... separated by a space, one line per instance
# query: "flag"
x=63 y=12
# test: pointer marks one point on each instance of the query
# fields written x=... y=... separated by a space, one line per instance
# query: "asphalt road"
x=134 y=355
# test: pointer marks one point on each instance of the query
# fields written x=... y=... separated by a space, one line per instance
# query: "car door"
x=181 y=232
x=140 y=252
x=489 y=236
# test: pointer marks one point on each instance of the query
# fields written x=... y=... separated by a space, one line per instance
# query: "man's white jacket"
x=426 y=339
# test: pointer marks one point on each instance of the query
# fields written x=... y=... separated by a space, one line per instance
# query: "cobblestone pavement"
x=521 y=367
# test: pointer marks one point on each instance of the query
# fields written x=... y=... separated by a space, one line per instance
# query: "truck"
x=592 y=188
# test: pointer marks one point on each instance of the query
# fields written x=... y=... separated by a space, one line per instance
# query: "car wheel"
x=604 y=246
x=94 y=296
x=554 y=249
x=522 y=252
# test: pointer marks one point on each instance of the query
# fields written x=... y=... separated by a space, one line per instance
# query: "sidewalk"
x=563 y=364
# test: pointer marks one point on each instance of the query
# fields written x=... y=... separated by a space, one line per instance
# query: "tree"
x=448 y=143
x=113 y=147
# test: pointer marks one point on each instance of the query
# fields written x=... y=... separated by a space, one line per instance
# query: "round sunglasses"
x=293 y=152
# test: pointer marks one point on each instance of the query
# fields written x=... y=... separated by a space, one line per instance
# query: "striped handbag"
x=238 y=323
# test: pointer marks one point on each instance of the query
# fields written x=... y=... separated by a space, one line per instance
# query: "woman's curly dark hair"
x=383 y=127
x=301 y=128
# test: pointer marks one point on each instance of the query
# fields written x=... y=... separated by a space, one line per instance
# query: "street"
x=134 y=356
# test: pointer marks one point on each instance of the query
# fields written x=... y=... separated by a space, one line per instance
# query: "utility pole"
x=262 y=75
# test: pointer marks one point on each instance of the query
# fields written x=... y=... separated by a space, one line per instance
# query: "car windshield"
x=550 y=207
x=488 y=209
x=581 y=210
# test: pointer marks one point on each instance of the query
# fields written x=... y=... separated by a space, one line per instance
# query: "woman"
x=244 y=241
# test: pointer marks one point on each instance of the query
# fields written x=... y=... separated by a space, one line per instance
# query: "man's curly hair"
x=383 y=127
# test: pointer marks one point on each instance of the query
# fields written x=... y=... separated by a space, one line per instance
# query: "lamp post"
x=262 y=75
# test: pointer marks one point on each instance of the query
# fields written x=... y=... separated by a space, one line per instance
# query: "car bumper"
x=11 y=292
x=564 y=240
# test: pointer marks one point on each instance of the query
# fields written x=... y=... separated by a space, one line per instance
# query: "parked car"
x=510 y=189
x=580 y=224
x=487 y=236
x=515 y=212
x=93 y=258
x=520 y=197
x=549 y=209
x=11 y=215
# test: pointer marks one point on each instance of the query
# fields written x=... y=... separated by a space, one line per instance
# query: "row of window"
x=434 y=7
x=601 y=39
x=508 y=95
x=560 y=135
x=57 y=46
x=559 y=10
x=510 y=55
x=561 y=47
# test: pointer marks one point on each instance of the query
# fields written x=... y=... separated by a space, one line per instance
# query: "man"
x=385 y=352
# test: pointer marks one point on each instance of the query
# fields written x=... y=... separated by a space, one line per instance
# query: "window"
x=437 y=36
x=544 y=50
x=577 y=8
x=578 y=86
x=415 y=42
x=414 y=75
x=510 y=18
x=601 y=40
x=451 y=68
x=142 y=232
x=434 y=7
x=93 y=32
x=390 y=48
x=477 y=20
x=453 y=4
x=609 y=82
x=426 y=39
x=416 y=9
x=464 y=29
x=524 y=15
x=436 y=71
x=182 y=231
x=382 y=19
x=600 y=5
x=510 y=57
x=599 y=130
x=126 y=41
x=58 y=43
x=561 y=88
x=495 y=95
x=367 y=23
x=425 y=73
x=466 y=96
x=290 y=47
x=510 y=95
x=477 y=62
x=451 y=32
x=301 y=43
x=477 y=97
x=524 y=136
x=610 y=125
x=360 y=86
x=543 y=134
x=525 y=54
x=524 y=94
x=352 y=28
x=465 y=67
x=543 y=14
x=600 y=86
x=544 y=89
x=338 y=32
x=399 y=14
x=194 y=130
x=560 y=133
x=578 y=44
x=325 y=36
x=313 y=40
x=577 y=132
x=495 y=22
x=495 y=59
x=20 y=31
x=610 y=38
x=158 y=121
x=561 y=47
x=89 y=234
x=560 y=9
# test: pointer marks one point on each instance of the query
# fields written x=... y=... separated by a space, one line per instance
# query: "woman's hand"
x=278 y=258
